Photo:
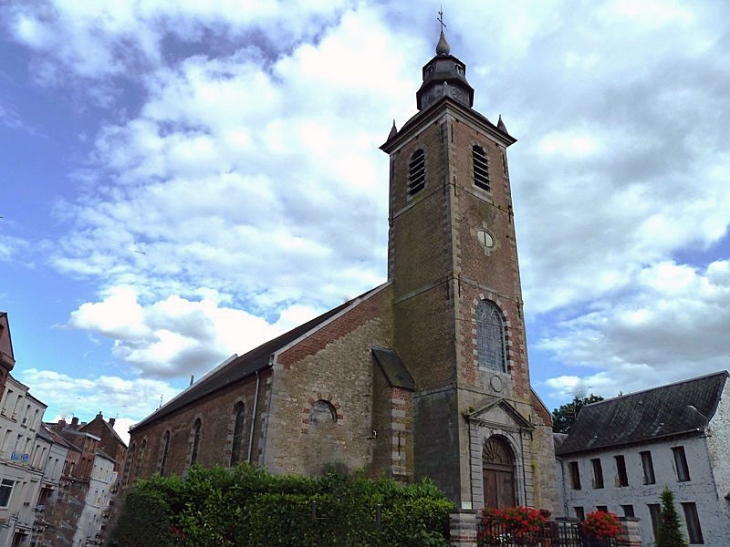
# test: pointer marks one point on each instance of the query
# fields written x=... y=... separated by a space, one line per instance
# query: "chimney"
x=74 y=421
x=112 y=421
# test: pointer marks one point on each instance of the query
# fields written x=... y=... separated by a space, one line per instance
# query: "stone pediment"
x=498 y=412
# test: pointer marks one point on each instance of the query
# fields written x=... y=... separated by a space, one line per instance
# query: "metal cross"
x=441 y=18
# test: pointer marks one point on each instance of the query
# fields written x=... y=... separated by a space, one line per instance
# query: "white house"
x=22 y=460
x=96 y=504
x=622 y=452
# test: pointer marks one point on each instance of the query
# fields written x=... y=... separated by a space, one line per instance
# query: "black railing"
x=551 y=534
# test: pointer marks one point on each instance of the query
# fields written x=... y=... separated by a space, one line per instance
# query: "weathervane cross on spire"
x=440 y=18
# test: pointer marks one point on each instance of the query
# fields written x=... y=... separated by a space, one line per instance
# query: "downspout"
x=253 y=417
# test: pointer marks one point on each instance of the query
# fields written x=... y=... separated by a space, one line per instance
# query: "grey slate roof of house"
x=239 y=367
x=667 y=411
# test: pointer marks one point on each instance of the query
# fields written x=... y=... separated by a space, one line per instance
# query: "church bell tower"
x=478 y=429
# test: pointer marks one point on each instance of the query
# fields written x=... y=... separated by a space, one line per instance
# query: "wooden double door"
x=498 y=474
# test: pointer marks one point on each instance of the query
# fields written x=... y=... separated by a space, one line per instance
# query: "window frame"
x=597 y=473
x=681 y=467
x=491 y=330
x=480 y=167
x=692 y=522
x=655 y=511
x=647 y=465
x=239 y=413
x=6 y=485
x=197 y=434
x=416 y=172
x=165 y=452
x=622 y=475
x=574 y=472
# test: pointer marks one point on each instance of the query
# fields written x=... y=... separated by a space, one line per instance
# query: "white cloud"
x=246 y=176
x=176 y=337
x=127 y=400
x=672 y=325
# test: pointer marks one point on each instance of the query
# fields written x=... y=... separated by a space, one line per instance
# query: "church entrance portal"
x=498 y=473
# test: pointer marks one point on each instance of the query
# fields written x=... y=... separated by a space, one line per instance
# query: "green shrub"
x=221 y=507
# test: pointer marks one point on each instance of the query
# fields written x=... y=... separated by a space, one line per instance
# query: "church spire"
x=442 y=48
x=444 y=76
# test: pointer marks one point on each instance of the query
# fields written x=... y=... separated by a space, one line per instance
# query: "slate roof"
x=393 y=368
x=238 y=367
x=667 y=411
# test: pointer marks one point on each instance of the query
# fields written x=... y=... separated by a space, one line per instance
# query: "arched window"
x=416 y=172
x=238 y=411
x=498 y=474
x=197 y=426
x=481 y=167
x=140 y=458
x=490 y=337
x=127 y=464
x=164 y=452
x=322 y=412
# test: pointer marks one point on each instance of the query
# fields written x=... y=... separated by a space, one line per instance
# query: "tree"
x=564 y=416
x=668 y=532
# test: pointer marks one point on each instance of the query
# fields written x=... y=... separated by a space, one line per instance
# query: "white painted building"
x=96 y=505
x=622 y=452
x=22 y=460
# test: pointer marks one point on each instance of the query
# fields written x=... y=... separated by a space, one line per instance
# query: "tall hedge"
x=246 y=506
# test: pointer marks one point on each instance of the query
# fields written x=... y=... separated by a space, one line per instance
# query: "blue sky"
x=180 y=181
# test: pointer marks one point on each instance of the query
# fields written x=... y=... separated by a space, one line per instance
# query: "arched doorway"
x=498 y=474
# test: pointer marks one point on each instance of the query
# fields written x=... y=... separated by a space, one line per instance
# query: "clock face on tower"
x=485 y=238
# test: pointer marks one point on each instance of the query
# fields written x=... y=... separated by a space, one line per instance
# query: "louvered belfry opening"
x=417 y=172
x=481 y=167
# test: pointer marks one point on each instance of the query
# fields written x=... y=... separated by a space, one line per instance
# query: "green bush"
x=221 y=507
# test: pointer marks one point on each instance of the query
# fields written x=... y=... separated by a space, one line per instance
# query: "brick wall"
x=334 y=364
x=216 y=413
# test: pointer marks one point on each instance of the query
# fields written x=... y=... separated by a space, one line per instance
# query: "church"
x=425 y=375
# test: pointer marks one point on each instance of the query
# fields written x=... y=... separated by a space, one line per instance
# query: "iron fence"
x=551 y=534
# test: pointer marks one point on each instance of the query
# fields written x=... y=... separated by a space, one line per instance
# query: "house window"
x=628 y=510
x=6 y=489
x=621 y=475
x=580 y=514
x=574 y=475
x=597 y=473
x=680 y=464
x=655 y=511
x=648 y=466
x=197 y=426
x=694 y=531
x=416 y=172
x=490 y=337
x=237 y=433
x=602 y=508
x=165 y=452
x=481 y=167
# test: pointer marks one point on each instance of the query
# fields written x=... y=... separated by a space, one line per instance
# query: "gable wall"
x=334 y=364
x=718 y=446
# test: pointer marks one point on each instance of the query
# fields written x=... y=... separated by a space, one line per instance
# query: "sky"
x=181 y=181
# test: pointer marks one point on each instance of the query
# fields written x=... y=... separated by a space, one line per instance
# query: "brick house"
x=423 y=376
x=7 y=358
x=622 y=452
